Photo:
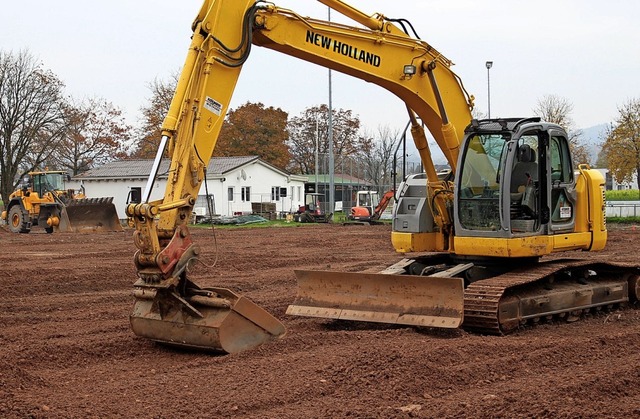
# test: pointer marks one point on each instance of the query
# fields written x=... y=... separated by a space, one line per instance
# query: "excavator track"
x=563 y=288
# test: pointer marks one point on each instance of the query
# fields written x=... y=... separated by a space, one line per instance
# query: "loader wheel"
x=18 y=220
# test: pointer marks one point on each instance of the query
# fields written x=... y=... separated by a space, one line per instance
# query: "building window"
x=230 y=194
x=245 y=193
x=275 y=193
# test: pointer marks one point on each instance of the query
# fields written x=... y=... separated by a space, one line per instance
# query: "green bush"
x=624 y=195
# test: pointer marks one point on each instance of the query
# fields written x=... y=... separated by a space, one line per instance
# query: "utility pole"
x=332 y=198
x=317 y=151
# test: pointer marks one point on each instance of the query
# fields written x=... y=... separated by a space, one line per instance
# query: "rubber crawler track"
x=482 y=298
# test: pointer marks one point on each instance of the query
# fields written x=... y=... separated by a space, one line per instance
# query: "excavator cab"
x=516 y=183
x=366 y=202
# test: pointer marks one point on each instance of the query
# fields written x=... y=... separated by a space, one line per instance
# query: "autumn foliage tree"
x=31 y=116
x=96 y=132
x=622 y=145
x=253 y=129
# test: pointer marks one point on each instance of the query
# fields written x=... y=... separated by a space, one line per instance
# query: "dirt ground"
x=66 y=349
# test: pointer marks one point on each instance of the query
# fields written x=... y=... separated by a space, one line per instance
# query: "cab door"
x=563 y=192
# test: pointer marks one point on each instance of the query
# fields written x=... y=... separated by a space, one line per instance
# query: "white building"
x=611 y=183
x=233 y=183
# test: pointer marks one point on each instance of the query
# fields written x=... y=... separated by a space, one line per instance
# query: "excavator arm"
x=382 y=205
x=169 y=307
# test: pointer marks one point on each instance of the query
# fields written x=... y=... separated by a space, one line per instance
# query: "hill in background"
x=593 y=138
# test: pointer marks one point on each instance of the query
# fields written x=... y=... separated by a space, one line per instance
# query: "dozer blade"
x=213 y=319
x=381 y=298
x=89 y=215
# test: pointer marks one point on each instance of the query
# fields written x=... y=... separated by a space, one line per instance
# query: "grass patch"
x=623 y=220
x=624 y=195
x=268 y=224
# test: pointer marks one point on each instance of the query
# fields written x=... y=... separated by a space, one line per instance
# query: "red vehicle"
x=368 y=207
x=311 y=211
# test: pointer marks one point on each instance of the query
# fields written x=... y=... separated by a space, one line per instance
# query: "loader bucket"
x=90 y=215
x=215 y=319
x=380 y=298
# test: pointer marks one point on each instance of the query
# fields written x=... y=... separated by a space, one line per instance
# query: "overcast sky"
x=586 y=51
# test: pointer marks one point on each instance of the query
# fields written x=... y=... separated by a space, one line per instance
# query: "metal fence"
x=622 y=209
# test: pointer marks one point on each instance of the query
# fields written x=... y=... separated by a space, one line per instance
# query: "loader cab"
x=43 y=182
x=515 y=180
x=25 y=185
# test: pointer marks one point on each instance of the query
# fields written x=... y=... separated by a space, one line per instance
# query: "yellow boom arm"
x=169 y=307
x=223 y=33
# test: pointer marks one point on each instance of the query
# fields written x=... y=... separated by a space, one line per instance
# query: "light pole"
x=332 y=197
x=317 y=150
x=489 y=64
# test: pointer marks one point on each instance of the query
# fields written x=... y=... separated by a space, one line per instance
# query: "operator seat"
x=525 y=172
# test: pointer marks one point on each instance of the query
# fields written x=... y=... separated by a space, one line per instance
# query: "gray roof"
x=140 y=168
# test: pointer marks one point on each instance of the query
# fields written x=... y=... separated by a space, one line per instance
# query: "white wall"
x=118 y=189
x=259 y=177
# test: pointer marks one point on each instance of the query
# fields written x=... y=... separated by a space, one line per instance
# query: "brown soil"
x=66 y=349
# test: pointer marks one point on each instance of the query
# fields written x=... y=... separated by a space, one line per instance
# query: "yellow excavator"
x=511 y=198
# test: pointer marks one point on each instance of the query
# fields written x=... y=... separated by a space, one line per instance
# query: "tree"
x=377 y=158
x=557 y=110
x=96 y=132
x=153 y=115
x=313 y=126
x=603 y=157
x=253 y=129
x=31 y=116
x=622 y=145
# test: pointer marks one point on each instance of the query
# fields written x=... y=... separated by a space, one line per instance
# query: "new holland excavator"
x=511 y=198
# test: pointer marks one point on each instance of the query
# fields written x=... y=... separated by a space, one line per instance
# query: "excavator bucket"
x=89 y=215
x=381 y=298
x=213 y=319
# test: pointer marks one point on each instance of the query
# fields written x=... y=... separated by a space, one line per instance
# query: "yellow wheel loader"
x=41 y=201
x=511 y=198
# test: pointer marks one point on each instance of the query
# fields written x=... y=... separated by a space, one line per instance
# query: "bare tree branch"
x=31 y=116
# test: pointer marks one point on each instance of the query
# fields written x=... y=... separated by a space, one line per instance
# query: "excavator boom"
x=169 y=307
